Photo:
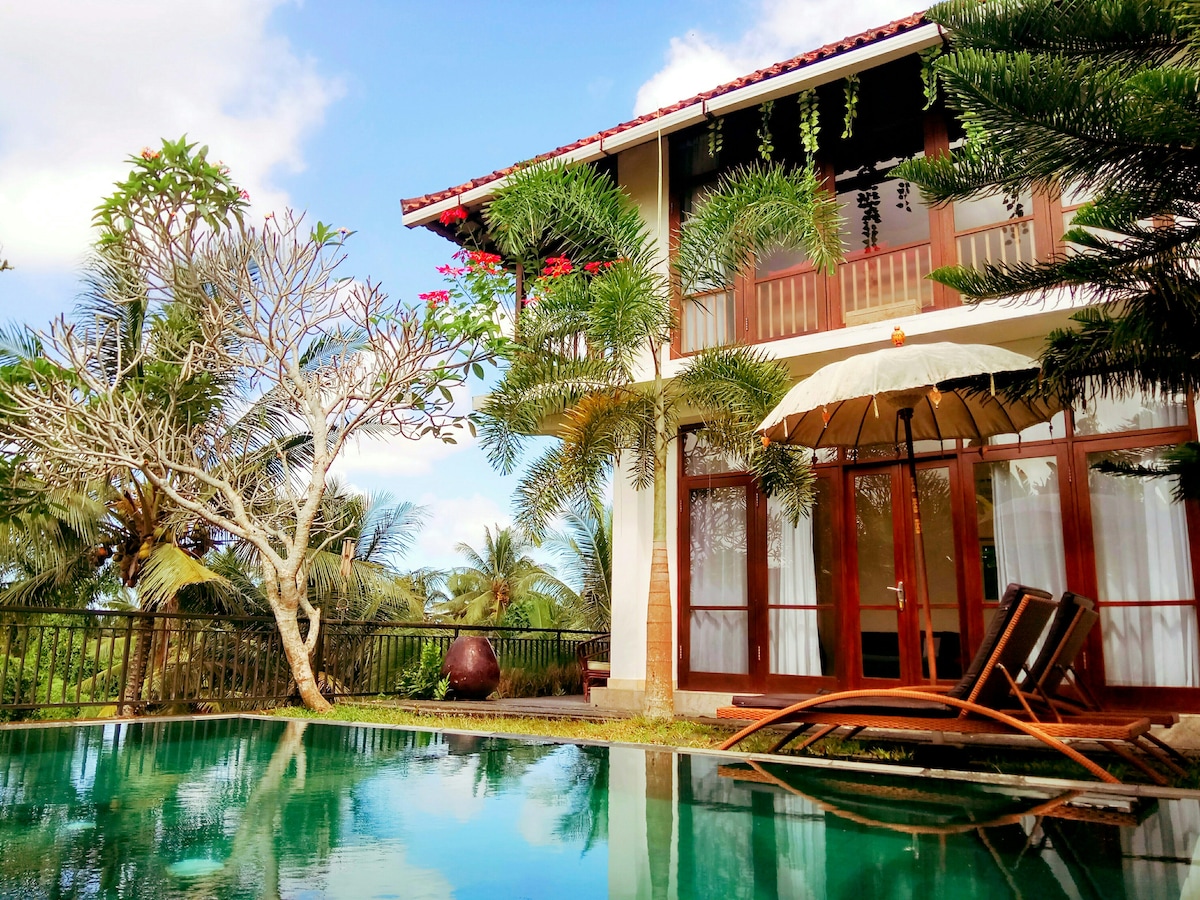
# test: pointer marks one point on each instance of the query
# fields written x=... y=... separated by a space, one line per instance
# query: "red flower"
x=450 y=216
x=592 y=268
x=245 y=195
x=484 y=259
x=452 y=271
x=435 y=298
x=556 y=266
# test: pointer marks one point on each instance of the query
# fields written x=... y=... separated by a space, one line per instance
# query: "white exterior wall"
x=642 y=172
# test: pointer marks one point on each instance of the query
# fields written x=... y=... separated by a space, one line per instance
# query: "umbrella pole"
x=919 y=542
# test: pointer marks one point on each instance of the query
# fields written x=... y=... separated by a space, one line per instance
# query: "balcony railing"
x=787 y=305
x=870 y=286
x=1006 y=244
x=708 y=320
x=886 y=285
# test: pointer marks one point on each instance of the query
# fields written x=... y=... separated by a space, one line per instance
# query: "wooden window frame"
x=1070 y=452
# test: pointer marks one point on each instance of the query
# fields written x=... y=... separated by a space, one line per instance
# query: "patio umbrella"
x=936 y=391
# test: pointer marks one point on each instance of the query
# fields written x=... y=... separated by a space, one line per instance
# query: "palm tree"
x=585 y=548
x=503 y=582
x=52 y=554
x=590 y=352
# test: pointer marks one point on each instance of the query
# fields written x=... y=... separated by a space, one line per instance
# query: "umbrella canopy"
x=901 y=395
x=854 y=403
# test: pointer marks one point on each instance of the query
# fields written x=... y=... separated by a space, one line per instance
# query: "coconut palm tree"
x=502 y=584
x=584 y=546
x=590 y=349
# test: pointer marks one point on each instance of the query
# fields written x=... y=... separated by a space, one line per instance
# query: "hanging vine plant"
x=716 y=141
x=851 y=86
x=929 y=78
x=766 y=146
x=868 y=203
x=810 y=121
x=973 y=131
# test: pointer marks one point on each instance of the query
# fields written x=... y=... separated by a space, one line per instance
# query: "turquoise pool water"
x=247 y=808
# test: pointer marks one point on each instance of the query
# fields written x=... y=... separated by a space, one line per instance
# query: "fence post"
x=125 y=666
x=318 y=657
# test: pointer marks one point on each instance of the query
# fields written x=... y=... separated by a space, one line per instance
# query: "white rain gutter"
x=869 y=56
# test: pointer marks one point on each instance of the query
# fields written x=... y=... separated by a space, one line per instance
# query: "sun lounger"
x=1054 y=667
x=973 y=706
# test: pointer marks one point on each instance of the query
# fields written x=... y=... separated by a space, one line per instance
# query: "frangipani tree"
x=242 y=313
x=594 y=340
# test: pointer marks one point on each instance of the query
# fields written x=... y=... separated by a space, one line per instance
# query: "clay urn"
x=472 y=667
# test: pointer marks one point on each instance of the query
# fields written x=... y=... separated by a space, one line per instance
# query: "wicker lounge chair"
x=1054 y=668
x=973 y=706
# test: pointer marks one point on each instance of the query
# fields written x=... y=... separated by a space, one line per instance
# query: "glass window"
x=1143 y=557
x=1137 y=412
x=1020 y=525
x=1043 y=431
x=717 y=545
x=780 y=260
x=880 y=213
x=800 y=588
x=701 y=458
x=941 y=570
x=876 y=551
x=992 y=210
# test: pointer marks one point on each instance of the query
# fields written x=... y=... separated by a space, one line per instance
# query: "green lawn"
x=639 y=730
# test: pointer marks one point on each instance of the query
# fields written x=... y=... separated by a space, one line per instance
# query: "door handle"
x=900 y=596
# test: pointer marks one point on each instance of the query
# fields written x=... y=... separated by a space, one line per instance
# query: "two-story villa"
x=763 y=606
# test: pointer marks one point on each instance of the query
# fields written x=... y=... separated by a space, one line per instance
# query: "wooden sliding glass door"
x=891 y=648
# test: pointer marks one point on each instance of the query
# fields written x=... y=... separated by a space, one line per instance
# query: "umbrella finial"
x=898 y=336
x=935 y=396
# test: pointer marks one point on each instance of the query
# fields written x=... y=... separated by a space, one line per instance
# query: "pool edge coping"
x=1027 y=782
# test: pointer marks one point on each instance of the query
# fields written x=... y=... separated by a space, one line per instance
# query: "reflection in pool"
x=250 y=808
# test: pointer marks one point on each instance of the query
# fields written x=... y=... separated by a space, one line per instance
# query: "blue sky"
x=343 y=110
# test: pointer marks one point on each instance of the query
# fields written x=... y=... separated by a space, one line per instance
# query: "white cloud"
x=88 y=84
x=376 y=459
x=781 y=30
x=453 y=520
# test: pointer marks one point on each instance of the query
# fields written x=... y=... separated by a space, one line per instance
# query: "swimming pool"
x=239 y=807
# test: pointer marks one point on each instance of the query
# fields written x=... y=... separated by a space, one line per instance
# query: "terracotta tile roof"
x=869 y=36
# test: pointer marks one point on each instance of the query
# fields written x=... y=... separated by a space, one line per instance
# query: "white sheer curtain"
x=1027 y=524
x=792 y=580
x=1142 y=554
x=719 y=638
x=800 y=845
x=1171 y=833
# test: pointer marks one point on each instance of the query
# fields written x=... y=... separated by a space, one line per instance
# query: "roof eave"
x=802 y=78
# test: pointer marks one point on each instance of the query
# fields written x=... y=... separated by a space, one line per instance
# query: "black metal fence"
x=71 y=659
